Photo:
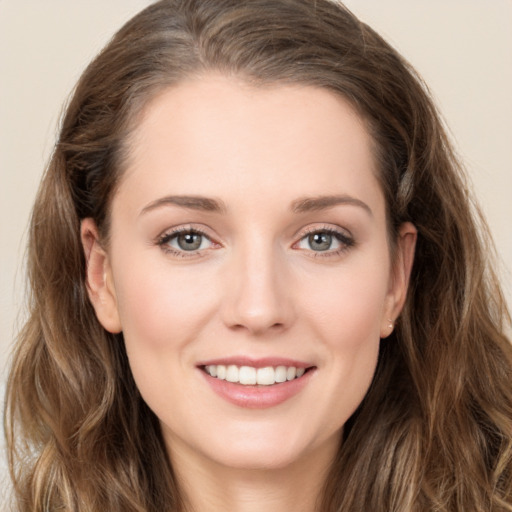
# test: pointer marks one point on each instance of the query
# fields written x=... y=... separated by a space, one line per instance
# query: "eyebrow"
x=311 y=204
x=200 y=203
x=301 y=205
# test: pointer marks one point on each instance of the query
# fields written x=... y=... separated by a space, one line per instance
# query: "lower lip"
x=257 y=397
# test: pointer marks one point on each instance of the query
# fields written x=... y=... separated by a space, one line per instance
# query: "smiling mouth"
x=251 y=376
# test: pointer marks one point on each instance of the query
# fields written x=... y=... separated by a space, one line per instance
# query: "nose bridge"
x=256 y=295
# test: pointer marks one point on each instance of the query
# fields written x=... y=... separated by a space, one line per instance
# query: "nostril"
x=258 y=326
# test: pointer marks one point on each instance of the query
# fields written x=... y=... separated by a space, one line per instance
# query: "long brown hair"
x=434 y=432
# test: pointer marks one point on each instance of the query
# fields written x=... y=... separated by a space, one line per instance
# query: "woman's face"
x=248 y=241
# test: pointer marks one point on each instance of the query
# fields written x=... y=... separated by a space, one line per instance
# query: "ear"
x=399 y=280
x=99 y=279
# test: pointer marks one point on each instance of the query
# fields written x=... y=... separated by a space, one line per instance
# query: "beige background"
x=463 y=49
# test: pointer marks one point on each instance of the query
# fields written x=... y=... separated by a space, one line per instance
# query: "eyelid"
x=163 y=238
x=177 y=230
x=343 y=236
x=323 y=228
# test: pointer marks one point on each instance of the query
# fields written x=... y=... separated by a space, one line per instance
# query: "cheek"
x=350 y=305
x=161 y=307
x=345 y=319
x=162 y=310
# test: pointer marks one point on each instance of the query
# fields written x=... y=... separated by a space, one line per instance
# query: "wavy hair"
x=434 y=432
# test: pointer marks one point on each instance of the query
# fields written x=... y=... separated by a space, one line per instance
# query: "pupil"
x=189 y=241
x=320 y=241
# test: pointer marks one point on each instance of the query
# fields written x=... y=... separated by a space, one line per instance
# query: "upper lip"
x=255 y=362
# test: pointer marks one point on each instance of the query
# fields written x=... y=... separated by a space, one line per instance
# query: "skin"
x=256 y=287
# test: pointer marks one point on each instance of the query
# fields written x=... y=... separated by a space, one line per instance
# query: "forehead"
x=204 y=134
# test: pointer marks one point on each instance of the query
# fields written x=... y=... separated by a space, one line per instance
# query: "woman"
x=257 y=281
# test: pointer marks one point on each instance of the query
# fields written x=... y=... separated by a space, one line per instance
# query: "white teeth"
x=281 y=374
x=266 y=376
x=232 y=373
x=291 y=372
x=249 y=376
x=221 y=372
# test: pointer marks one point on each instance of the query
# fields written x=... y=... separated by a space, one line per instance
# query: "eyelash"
x=163 y=241
x=345 y=241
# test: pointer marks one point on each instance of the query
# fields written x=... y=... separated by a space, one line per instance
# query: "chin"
x=259 y=456
x=267 y=447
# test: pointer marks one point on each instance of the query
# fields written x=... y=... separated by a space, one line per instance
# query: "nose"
x=257 y=294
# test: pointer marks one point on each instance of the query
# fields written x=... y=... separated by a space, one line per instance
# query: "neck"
x=207 y=486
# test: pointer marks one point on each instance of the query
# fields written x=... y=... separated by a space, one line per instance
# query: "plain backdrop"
x=462 y=48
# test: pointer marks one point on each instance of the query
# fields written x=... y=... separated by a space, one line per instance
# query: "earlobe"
x=402 y=266
x=99 y=280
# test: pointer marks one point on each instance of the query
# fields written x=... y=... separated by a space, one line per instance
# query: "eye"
x=189 y=241
x=325 y=240
x=185 y=240
x=320 y=241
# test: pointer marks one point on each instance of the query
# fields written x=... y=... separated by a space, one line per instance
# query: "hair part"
x=433 y=432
